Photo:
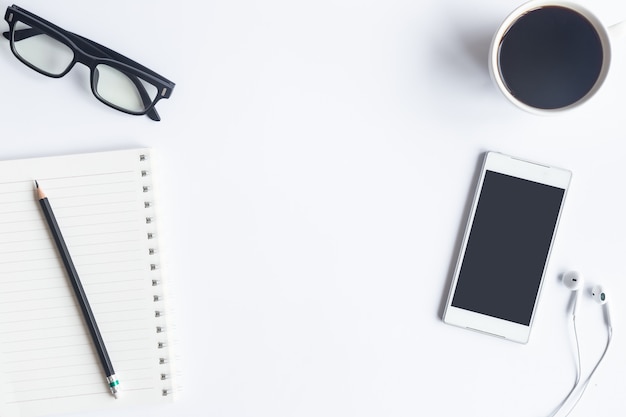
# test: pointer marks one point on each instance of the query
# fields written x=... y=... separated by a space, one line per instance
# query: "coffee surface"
x=550 y=57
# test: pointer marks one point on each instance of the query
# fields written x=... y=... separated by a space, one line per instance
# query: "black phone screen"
x=507 y=248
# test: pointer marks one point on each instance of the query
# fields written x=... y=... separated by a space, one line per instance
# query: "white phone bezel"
x=519 y=168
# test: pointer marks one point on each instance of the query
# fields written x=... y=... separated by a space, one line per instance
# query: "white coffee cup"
x=546 y=67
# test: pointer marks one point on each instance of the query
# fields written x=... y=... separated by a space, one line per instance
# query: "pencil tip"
x=40 y=194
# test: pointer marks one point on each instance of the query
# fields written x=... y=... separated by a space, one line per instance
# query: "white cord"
x=608 y=342
x=578 y=372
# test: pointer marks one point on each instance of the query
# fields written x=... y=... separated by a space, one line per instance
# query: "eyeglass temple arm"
x=153 y=114
x=119 y=57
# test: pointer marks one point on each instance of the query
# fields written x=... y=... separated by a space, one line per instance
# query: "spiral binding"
x=157 y=297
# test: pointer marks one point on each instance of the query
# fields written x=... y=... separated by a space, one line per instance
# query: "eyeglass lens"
x=50 y=56
x=41 y=51
x=123 y=90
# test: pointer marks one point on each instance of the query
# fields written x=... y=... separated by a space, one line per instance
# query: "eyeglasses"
x=116 y=80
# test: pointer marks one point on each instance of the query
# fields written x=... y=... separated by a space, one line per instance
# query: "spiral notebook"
x=104 y=204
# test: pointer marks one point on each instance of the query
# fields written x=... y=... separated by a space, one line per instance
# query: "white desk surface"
x=317 y=159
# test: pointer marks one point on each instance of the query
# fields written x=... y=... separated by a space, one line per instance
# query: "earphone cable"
x=593 y=371
x=578 y=371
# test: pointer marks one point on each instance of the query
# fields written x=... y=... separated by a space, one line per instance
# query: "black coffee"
x=550 y=57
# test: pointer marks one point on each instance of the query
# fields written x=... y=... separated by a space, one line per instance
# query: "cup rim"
x=494 y=51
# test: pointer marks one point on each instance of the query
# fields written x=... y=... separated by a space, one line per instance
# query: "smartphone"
x=506 y=245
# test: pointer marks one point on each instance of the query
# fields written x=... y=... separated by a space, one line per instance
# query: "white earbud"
x=599 y=295
x=574 y=281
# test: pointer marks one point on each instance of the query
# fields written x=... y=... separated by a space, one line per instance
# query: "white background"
x=317 y=160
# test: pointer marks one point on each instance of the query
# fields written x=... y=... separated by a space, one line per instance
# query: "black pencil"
x=80 y=292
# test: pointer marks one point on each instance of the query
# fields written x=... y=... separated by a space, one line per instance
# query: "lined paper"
x=103 y=204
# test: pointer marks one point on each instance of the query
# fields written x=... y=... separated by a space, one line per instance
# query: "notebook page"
x=47 y=356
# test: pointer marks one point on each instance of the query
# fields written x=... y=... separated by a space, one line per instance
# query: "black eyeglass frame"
x=91 y=54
